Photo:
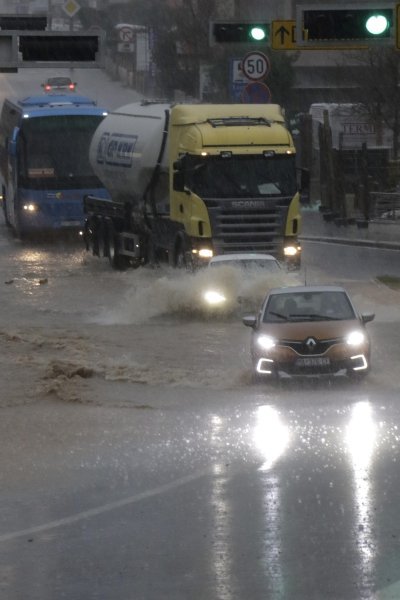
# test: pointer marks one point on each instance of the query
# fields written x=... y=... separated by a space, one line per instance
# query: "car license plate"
x=317 y=361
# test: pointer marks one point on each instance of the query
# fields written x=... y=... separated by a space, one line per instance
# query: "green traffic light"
x=376 y=24
x=257 y=33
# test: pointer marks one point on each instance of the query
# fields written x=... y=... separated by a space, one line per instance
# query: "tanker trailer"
x=190 y=181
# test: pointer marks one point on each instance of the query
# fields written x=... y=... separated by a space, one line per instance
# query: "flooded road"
x=139 y=460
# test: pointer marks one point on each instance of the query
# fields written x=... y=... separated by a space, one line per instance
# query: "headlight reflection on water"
x=271 y=436
x=361 y=439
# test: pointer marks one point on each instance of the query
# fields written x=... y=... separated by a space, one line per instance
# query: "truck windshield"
x=241 y=176
x=53 y=152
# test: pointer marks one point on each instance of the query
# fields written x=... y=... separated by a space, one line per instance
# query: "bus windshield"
x=241 y=176
x=53 y=152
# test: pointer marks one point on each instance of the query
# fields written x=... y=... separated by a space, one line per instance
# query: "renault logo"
x=311 y=343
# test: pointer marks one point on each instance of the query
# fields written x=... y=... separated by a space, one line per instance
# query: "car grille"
x=247 y=224
x=311 y=349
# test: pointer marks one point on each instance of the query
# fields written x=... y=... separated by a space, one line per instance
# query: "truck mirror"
x=12 y=148
x=179 y=181
x=177 y=165
x=304 y=179
x=12 y=145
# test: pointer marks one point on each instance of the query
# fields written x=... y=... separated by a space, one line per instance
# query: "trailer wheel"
x=94 y=238
x=117 y=261
x=102 y=243
x=86 y=236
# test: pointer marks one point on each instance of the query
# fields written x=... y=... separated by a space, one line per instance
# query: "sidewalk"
x=379 y=234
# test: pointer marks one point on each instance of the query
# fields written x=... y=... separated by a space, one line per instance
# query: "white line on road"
x=94 y=512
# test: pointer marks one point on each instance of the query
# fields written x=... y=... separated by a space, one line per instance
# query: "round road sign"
x=255 y=65
x=256 y=93
x=126 y=33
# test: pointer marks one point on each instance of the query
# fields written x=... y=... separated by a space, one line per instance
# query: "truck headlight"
x=205 y=253
x=291 y=250
x=355 y=338
x=214 y=297
x=266 y=342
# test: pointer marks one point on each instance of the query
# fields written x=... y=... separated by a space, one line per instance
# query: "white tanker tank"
x=127 y=148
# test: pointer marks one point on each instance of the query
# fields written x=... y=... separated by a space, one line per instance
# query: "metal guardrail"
x=385 y=206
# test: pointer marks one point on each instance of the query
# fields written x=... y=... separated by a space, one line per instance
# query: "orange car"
x=309 y=330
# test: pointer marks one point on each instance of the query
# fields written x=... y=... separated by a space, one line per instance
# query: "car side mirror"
x=367 y=317
x=249 y=321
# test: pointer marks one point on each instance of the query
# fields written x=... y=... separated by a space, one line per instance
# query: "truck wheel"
x=117 y=261
x=180 y=258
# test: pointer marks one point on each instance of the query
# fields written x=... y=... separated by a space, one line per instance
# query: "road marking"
x=94 y=512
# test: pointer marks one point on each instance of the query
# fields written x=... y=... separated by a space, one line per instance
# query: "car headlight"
x=266 y=342
x=355 y=338
x=214 y=297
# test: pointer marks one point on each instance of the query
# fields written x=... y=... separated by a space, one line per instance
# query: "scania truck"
x=189 y=181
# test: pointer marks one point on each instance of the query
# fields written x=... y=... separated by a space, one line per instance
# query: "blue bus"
x=44 y=161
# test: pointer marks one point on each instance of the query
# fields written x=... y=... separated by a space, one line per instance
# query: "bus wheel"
x=16 y=228
x=117 y=261
x=6 y=219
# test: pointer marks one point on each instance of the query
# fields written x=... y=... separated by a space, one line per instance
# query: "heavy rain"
x=141 y=459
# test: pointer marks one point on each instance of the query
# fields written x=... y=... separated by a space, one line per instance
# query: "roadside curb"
x=351 y=242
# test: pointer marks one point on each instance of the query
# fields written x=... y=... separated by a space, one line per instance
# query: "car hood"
x=322 y=330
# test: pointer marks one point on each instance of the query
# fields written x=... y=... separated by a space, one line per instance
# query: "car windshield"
x=308 y=306
x=59 y=81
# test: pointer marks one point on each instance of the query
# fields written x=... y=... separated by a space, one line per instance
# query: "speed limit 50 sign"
x=255 y=66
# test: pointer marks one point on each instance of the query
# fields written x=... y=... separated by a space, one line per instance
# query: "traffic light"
x=363 y=23
x=239 y=32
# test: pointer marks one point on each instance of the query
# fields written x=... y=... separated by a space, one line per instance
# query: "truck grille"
x=247 y=224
